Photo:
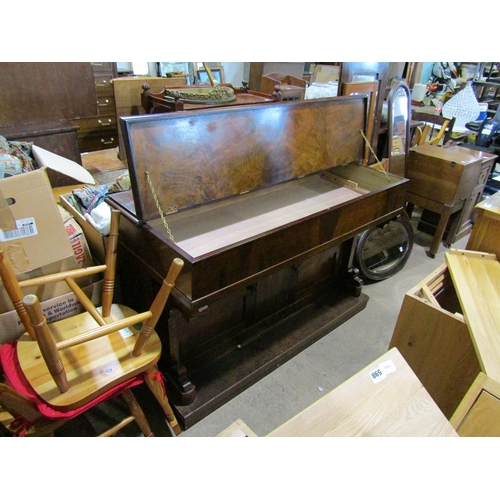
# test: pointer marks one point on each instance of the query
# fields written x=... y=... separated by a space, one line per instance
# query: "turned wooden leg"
x=108 y=286
x=158 y=305
x=156 y=386
x=137 y=413
x=45 y=341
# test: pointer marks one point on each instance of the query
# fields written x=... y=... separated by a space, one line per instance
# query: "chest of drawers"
x=100 y=131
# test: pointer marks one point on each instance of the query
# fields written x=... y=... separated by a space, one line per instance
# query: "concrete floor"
x=332 y=359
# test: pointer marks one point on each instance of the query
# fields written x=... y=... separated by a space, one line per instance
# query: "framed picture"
x=217 y=72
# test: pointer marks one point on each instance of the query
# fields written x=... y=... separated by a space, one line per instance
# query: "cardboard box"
x=76 y=236
x=324 y=73
x=96 y=241
x=81 y=258
x=54 y=309
x=32 y=232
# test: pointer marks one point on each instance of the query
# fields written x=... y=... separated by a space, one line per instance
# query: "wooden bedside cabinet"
x=446 y=181
x=460 y=223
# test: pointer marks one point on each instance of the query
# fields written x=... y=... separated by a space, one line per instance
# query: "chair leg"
x=137 y=413
x=157 y=388
x=158 y=305
x=45 y=341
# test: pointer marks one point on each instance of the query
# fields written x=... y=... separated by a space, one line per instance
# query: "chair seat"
x=17 y=380
x=91 y=378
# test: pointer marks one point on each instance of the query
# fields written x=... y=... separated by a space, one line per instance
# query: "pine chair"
x=55 y=372
x=425 y=135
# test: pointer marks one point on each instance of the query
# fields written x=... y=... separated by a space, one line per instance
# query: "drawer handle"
x=104 y=82
x=105 y=124
x=108 y=142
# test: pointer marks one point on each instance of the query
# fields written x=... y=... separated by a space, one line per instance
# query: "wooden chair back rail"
x=435 y=140
x=14 y=288
x=53 y=278
x=431 y=120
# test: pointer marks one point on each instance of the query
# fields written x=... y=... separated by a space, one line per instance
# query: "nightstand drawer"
x=96 y=124
x=106 y=106
x=97 y=142
x=103 y=84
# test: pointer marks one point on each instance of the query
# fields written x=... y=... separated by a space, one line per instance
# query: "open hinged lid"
x=192 y=158
x=476 y=276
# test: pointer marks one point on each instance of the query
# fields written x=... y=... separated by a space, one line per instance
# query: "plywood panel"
x=37 y=92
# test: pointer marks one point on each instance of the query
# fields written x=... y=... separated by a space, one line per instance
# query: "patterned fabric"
x=89 y=197
x=15 y=158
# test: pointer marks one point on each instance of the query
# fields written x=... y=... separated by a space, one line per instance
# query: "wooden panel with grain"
x=476 y=276
x=396 y=405
x=196 y=157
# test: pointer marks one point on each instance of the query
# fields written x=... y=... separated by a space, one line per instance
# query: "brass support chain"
x=162 y=215
x=373 y=153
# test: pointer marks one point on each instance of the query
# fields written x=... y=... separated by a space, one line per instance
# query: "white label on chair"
x=382 y=371
x=126 y=332
x=24 y=228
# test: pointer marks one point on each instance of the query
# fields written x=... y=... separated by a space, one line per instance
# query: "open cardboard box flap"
x=61 y=165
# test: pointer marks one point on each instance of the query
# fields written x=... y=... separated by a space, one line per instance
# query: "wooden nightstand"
x=447 y=181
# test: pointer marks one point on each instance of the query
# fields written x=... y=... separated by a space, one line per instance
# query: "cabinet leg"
x=438 y=235
x=409 y=209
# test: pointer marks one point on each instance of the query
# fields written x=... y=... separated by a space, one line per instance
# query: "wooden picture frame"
x=370 y=89
x=217 y=72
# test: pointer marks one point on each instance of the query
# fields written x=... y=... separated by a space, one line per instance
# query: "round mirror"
x=383 y=250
